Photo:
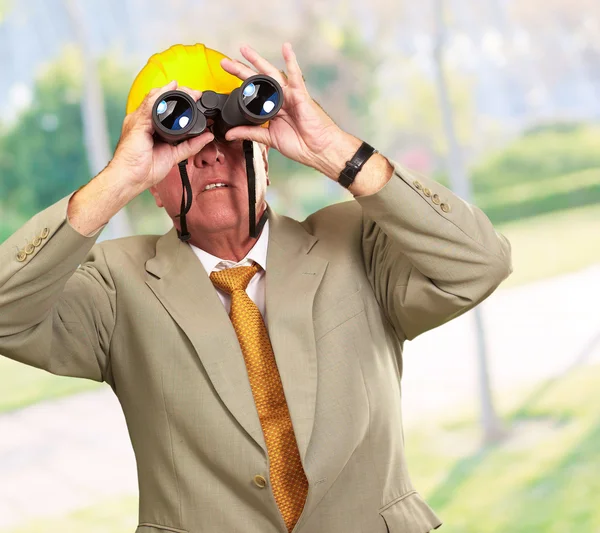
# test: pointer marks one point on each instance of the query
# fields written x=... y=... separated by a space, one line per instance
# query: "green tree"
x=42 y=156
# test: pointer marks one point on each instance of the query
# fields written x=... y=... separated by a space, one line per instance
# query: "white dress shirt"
x=256 y=287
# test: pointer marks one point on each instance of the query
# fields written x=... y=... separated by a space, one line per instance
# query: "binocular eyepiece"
x=177 y=117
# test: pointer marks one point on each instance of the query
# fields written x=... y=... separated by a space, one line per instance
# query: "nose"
x=210 y=155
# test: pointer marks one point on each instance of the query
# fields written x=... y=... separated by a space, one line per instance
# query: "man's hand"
x=301 y=130
x=138 y=164
x=138 y=158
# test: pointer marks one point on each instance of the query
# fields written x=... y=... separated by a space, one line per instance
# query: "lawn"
x=22 y=385
x=109 y=516
x=542 y=478
x=553 y=244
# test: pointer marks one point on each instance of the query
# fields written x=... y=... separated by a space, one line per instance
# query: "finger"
x=237 y=68
x=154 y=94
x=285 y=78
x=251 y=133
x=192 y=146
x=261 y=64
x=195 y=94
x=295 y=77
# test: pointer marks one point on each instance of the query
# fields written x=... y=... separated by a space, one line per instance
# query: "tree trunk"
x=460 y=184
x=94 y=117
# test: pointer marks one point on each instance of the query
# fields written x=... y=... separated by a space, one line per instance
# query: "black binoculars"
x=177 y=117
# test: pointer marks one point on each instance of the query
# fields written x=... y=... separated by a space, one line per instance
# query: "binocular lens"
x=260 y=98
x=174 y=113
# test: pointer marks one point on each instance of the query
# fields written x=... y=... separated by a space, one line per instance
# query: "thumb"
x=251 y=133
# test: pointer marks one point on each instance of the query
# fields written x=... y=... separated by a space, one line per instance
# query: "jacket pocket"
x=155 y=528
x=409 y=514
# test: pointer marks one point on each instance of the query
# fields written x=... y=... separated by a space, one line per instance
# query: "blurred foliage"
x=112 y=515
x=24 y=385
x=552 y=244
x=540 y=154
x=42 y=156
x=543 y=478
x=549 y=168
x=5 y=5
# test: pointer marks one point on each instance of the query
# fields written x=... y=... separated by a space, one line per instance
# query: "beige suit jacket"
x=344 y=289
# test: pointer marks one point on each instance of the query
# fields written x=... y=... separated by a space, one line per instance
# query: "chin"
x=214 y=222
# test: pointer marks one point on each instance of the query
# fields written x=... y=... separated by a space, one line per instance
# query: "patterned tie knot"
x=237 y=278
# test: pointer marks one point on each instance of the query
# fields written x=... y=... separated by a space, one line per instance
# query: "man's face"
x=222 y=208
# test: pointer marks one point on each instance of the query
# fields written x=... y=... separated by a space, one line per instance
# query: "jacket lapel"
x=293 y=276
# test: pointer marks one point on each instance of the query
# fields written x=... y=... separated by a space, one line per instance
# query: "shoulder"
x=343 y=218
x=125 y=252
x=338 y=228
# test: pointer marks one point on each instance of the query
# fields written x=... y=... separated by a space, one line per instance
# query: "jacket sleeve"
x=430 y=256
x=56 y=314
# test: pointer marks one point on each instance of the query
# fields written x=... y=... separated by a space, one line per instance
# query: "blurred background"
x=497 y=99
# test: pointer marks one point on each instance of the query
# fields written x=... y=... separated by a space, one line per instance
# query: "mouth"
x=217 y=187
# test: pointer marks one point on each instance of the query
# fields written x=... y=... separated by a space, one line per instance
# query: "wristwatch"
x=355 y=164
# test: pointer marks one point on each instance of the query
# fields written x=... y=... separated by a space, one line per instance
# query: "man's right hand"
x=141 y=160
x=138 y=163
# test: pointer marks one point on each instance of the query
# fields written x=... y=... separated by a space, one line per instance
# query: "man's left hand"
x=301 y=130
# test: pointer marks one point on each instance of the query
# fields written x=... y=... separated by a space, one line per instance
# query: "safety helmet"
x=197 y=67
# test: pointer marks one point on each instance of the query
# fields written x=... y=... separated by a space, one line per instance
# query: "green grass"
x=538 y=156
x=22 y=385
x=553 y=244
x=117 y=515
x=533 y=198
x=533 y=190
x=542 y=478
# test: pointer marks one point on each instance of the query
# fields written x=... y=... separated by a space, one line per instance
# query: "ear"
x=265 y=157
x=157 y=199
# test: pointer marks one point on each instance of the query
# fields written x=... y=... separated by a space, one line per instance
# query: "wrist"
x=333 y=160
x=373 y=176
x=118 y=182
x=94 y=204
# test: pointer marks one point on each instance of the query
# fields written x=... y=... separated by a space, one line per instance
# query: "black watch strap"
x=355 y=164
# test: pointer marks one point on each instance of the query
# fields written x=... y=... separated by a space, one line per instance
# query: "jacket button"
x=445 y=208
x=21 y=256
x=37 y=241
x=45 y=233
x=29 y=249
x=427 y=192
x=436 y=199
x=417 y=184
x=260 y=481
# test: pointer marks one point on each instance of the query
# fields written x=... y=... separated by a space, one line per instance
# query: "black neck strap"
x=255 y=229
x=186 y=203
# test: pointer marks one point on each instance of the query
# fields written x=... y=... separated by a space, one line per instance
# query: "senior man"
x=260 y=378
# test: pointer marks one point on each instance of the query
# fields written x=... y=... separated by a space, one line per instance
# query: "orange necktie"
x=288 y=480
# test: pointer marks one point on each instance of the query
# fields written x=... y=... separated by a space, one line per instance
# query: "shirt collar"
x=258 y=254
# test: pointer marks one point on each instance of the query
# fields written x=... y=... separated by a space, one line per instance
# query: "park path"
x=62 y=455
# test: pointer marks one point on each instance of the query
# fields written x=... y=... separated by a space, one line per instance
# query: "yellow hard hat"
x=192 y=65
